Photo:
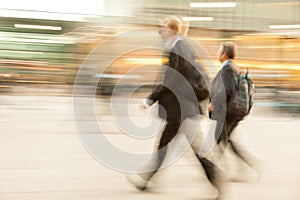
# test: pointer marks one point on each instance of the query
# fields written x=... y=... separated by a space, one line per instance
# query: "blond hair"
x=174 y=23
x=178 y=24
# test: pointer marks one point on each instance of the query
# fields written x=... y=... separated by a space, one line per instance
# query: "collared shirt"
x=172 y=42
x=225 y=62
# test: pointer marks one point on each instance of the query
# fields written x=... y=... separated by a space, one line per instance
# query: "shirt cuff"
x=147 y=102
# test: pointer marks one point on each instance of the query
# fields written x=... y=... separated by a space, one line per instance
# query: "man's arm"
x=229 y=81
x=222 y=89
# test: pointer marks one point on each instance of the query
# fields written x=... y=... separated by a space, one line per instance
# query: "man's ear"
x=225 y=55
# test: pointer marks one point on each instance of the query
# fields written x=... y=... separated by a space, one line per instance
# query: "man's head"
x=170 y=27
x=226 y=51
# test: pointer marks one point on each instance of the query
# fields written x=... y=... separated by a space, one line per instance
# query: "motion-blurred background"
x=43 y=43
x=48 y=46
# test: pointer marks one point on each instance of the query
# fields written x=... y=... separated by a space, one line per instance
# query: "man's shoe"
x=137 y=181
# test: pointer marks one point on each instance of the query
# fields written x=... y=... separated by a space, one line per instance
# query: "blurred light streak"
x=29 y=26
x=291 y=26
x=86 y=7
x=275 y=67
x=275 y=34
x=279 y=3
x=144 y=61
x=44 y=15
x=31 y=40
x=271 y=47
x=118 y=76
x=198 y=18
x=214 y=5
x=219 y=39
x=5 y=75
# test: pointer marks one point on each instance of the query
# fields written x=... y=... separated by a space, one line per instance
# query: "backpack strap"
x=246 y=75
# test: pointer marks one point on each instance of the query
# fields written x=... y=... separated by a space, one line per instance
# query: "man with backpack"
x=231 y=101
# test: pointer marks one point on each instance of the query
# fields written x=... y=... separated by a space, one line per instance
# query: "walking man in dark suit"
x=177 y=103
x=223 y=86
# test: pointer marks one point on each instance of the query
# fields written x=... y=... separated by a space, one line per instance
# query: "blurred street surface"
x=42 y=157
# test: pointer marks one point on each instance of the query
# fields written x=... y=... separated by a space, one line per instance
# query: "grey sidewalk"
x=41 y=157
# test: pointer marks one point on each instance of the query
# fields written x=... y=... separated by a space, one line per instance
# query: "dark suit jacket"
x=175 y=96
x=222 y=89
x=223 y=86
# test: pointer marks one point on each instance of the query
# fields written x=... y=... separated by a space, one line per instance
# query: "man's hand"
x=145 y=104
x=210 y=107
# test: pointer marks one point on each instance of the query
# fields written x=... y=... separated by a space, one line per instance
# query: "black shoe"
x=137 y=181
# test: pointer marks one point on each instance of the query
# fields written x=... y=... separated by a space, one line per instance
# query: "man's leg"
x=245 y=155
x=140 y=180
x=214 y=175
x=156 y=161
x=237 y=149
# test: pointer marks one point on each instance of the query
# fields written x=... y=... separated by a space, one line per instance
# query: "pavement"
x=42 y=156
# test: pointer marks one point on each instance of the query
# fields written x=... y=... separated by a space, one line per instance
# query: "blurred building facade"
x=47 y=47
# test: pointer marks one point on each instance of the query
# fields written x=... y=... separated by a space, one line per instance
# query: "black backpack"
x=241 y=101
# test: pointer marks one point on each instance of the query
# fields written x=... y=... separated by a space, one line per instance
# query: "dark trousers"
x=212 y=172
x=168 y=134
x=230 y=124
